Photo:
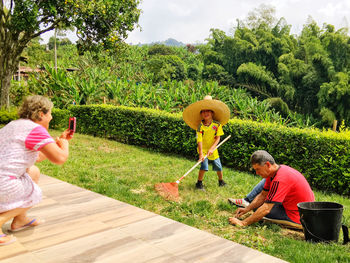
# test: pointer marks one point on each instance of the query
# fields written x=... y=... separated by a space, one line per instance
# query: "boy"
x=207 y=117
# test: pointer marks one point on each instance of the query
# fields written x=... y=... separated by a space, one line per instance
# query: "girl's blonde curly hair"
x=33 y=105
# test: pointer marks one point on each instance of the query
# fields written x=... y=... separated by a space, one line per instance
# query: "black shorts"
x=278 y=212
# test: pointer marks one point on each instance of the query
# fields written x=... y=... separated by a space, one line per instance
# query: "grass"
x=128 y=173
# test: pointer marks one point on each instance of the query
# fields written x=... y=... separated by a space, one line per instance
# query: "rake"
x=170 y=191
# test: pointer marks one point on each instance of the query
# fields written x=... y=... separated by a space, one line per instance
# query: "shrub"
x=193 y=72
x=59 y=119
x=279 y=105
x=159 y=49
x=7 y=116
x=323 y=157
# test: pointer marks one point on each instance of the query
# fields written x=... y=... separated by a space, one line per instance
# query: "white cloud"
x=190 y=21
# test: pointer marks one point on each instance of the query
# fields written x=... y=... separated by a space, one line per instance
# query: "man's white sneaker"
x=238 y=202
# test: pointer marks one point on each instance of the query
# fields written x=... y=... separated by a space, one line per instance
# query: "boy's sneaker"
x=222 y=183
x=238 y=202
x=199 y=185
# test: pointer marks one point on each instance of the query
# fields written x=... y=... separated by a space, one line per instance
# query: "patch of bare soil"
x=295 y=234
x=107 y=149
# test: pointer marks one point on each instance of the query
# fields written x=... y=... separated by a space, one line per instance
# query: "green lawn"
x=128 y=173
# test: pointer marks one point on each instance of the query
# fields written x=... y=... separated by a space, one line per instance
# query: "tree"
x=334 y=97
x=166 y=67
x=160 y=49
x=104 y=22
x=264 y=14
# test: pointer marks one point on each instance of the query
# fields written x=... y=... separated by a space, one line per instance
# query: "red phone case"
x=72 y=124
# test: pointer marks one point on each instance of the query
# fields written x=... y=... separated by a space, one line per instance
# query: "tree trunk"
x=10 y=53
x=5 y=79
x=55 y=47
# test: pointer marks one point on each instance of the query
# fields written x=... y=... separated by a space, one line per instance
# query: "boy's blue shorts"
x=216 y=164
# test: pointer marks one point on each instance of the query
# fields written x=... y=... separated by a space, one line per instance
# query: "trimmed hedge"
x=323 y=157
x=145 y=127
x=59 y=117
x=7 y=116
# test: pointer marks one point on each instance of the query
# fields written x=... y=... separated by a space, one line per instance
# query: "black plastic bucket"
x=322 y=221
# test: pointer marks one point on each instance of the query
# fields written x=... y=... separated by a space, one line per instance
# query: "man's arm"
x=258 y=214
x=258 y=202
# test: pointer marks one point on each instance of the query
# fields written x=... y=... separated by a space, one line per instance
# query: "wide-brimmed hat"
x=192 y=114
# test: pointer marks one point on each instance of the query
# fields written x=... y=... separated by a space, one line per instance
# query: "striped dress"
x=20 y=141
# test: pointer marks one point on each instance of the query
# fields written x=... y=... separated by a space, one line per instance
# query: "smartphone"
x=71 y=125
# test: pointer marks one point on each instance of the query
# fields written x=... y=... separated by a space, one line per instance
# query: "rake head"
x=168 y=191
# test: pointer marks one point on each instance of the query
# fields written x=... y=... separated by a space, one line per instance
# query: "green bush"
x=7 y=116
x=323 y=157
x=279 y=105
x=59 y=117
x=139 y=126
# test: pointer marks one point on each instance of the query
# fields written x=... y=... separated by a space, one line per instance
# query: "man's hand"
x=236 y=221
x=241 y=211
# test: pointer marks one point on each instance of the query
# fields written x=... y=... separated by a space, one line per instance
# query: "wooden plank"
x=107 y=246
x=82 y=226
x=27 y=258
x=49 y=235
x=128 y=216
x=12 y=250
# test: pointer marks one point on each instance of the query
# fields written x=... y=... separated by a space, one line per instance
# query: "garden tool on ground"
x=170 y=191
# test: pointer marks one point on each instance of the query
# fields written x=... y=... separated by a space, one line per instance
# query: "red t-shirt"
x=288 y=187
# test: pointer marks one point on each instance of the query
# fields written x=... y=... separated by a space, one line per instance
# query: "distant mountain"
x=173 y=42
x=169 y=42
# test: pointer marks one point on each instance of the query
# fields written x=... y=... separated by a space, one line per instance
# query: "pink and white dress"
x=20 y=141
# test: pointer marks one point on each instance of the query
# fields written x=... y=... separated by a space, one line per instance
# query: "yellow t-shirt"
x=206 y=135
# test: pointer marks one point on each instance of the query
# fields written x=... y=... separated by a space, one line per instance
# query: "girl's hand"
x=66 y=135
x=61 y=142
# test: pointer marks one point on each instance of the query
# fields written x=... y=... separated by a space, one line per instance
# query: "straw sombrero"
x=192 y=114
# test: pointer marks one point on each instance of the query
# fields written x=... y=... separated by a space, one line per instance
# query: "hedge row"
x=59 y=117
x=323 y=157
x=7 y=116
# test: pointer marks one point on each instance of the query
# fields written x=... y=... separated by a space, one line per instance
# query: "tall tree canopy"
x=98 y=22
x=309 y=72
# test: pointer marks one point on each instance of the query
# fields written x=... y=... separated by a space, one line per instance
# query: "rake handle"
x=194 y=166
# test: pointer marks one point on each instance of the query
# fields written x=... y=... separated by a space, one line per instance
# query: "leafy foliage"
x=323 y=157
x=263 y=56
x=98 y=23
x=91 y=85
x=7 y=116
x=306 y=72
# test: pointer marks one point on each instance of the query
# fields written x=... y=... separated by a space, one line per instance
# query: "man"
x=284 y=188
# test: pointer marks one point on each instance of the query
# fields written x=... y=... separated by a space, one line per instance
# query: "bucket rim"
x=299 y=205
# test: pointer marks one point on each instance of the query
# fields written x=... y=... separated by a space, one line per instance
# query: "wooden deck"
x=82 y=226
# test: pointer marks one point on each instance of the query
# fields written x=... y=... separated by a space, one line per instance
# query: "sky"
x=190 y=21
